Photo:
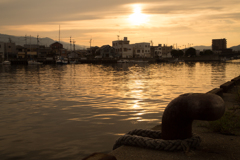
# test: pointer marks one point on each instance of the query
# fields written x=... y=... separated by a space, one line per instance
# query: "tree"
x=177 y=53
x=174 y=53
x=180 y=53
x=190 y=52
x=208 y=52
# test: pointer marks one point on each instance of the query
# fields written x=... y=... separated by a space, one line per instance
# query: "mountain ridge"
x=21 y=40
x=46 y=41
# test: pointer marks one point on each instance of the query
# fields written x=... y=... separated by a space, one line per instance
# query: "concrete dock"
x=213 y=146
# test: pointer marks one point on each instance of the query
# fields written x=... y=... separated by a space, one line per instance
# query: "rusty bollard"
x=179 y=114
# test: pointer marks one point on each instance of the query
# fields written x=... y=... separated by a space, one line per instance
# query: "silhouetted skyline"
x=162 y=22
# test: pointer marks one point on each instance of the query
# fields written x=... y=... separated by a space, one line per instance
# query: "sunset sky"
x=180 y=22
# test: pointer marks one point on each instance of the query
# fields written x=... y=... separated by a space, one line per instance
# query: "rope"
x=152 y=140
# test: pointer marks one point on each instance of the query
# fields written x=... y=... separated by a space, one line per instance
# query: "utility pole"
x=74 y=45
x=59 y=33
x=37 y=46
x=37 y=40
x=70 y=44
x=26 y=39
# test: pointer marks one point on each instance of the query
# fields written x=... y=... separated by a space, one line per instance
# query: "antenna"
x=26 y=39
x=74 y=45
x=90 y=42
x=118 y=37
x=37 y=40
x=151 y=42
x=90 y=45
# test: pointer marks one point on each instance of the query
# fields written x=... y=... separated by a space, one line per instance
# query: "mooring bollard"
x=177 y=121
x=179 y=114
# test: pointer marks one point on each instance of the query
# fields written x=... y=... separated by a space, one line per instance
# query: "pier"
x=214 y=145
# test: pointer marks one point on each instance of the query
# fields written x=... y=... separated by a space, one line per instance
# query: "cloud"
x=105 y=19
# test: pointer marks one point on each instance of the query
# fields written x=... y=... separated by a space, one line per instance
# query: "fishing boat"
x=32 y=62
x=6 y=62
x=123 y=61
x=61 y=60
x=139 y=61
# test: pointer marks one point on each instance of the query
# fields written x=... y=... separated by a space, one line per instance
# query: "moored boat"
x=32 y=62
x=123 y=61
x=6 y=62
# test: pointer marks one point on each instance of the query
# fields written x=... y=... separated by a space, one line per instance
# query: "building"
x=106 y=51
x=166 y=51
x=142 y=50
x=156 y=51
x=123 y=48
x=56 y=47
x=10 y=50
x=2 y=51
x=219 y=44
x=21 y=51
x=58 y=50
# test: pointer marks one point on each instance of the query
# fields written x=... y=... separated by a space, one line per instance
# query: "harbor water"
x=71 y=111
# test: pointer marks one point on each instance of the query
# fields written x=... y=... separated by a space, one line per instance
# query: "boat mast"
x=59 y=34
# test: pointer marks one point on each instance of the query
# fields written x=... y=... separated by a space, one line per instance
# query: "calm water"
x=71 y=111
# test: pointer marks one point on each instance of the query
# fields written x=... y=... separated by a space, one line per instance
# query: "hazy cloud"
x=167 y=18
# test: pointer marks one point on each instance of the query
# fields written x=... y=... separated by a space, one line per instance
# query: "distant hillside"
x=235 y=48
x=20 y=40
x=201 y=48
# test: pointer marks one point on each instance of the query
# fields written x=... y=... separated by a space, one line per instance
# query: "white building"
x=123 y=48
x=142 y=50
x=166 y=51
x=158 y=50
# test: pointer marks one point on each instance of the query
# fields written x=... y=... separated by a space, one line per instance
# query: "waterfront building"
x=142 y=50
x=91 y=51
x=219 y=44
x=166 y=51
x=2 y=51
x=106 y=51
x=10 y=50
x=156 y=51
x=58 y=50
x=123 y=48
x=56 y=47
x=44 y=52
x=21 y=51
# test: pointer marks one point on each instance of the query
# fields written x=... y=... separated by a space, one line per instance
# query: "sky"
x=181 y=23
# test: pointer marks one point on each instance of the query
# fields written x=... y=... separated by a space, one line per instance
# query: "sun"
x=138 y=18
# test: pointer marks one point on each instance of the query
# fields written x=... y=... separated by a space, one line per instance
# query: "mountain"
x=21 y=40
x=201 y=48
x=235 y=48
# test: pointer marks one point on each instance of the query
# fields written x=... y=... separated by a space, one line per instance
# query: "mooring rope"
x=152 y=140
